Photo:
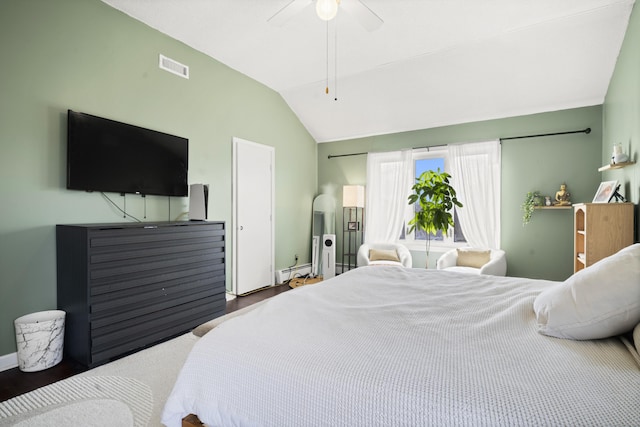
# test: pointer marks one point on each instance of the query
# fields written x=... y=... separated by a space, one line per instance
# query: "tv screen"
x=109 y=156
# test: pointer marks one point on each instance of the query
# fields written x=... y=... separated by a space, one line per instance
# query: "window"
x=424 y=160
x=475 y=169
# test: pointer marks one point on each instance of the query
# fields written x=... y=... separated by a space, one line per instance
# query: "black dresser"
x=128 y=286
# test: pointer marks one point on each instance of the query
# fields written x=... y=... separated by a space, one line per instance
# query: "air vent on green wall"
x=174 y=67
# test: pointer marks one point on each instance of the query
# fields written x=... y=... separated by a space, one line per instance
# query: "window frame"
x=448 y=239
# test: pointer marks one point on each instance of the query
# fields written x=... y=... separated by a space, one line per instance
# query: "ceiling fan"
x=327 y=9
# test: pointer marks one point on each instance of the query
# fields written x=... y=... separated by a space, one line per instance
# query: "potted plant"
x=436 y=199
x=532 y=199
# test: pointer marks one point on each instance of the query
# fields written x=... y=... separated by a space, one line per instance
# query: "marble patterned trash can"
x=40 y=339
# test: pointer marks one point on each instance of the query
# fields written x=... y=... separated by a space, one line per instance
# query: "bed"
x=391 y=346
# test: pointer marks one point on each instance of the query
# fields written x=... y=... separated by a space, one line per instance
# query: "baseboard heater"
x=291 y=272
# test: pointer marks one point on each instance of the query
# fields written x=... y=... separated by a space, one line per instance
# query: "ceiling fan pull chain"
x=326 y=89
x=335 y=62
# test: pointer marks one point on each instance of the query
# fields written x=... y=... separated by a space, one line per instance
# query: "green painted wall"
x=542 y=249
x=621 y=112
x=89 y=57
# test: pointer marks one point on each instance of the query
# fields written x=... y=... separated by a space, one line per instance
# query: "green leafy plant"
x=532 y=199
x=436 y=199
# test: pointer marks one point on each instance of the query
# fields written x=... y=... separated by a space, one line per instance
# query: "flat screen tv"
x=108 y=156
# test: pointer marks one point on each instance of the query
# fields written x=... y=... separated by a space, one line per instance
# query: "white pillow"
x=599 y=301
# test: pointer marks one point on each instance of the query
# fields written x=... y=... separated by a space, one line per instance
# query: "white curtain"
x=389 y=184
x=475 y=175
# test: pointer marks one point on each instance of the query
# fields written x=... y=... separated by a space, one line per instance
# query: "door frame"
x=234 y=183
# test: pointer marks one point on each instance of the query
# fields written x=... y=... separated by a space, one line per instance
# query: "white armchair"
x=365 y=254
x=472 y=261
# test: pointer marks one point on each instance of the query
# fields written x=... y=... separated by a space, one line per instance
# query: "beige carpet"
x=130 y=391
x=80 y=397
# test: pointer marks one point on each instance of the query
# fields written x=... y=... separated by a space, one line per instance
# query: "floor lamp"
x=352 y=224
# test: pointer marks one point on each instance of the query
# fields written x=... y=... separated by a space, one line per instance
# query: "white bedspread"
x=382 y=346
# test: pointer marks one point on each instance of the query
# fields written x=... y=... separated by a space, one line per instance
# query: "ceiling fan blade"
x=288 y=11
x=361 y=12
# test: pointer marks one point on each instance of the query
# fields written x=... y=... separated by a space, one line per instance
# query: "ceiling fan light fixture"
x=326 y=9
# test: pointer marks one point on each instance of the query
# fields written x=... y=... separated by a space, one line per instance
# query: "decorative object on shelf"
x=352 y=219
x=547 y=200
x=436 y=198
x=563 y=197
x=619 y=197
x=531 y=200
x=618 y=156
x=605 y=192
x=619 y=159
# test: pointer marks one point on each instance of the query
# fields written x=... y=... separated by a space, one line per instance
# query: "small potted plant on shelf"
x=436 y=198
x=532 y=199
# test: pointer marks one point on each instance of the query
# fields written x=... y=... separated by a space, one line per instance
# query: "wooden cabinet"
x=600 y=230
x=128 y=286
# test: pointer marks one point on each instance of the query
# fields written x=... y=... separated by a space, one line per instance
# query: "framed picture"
x=605 y=191
x=352 y=226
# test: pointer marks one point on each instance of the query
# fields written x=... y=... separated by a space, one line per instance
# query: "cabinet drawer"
x=111 y=238
x=172 y=323
x=117 y=310
x=117 y=281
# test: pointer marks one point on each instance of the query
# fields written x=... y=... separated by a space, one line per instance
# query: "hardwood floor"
x=14 y=382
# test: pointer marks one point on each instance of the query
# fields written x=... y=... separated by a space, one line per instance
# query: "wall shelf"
x=615 y=166
x=553 y=207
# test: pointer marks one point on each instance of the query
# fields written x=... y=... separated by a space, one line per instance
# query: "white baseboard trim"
x=288 y=273
x=8 y=361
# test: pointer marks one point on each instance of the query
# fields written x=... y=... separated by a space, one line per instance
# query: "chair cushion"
x=395 y=263
x=383 y=255
x=459 y=269
x=475 y=258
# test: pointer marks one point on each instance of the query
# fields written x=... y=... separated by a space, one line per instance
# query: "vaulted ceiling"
x=431 y=63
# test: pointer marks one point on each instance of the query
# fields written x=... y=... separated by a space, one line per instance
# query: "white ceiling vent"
x=174 y=67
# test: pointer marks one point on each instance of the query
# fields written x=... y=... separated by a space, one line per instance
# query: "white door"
x=253 y=206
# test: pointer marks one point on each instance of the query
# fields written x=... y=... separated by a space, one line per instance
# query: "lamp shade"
x=353 y=196
x=326 y=9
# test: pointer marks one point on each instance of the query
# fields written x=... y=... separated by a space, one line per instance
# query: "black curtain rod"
x=587 y=131
x=331 y=156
